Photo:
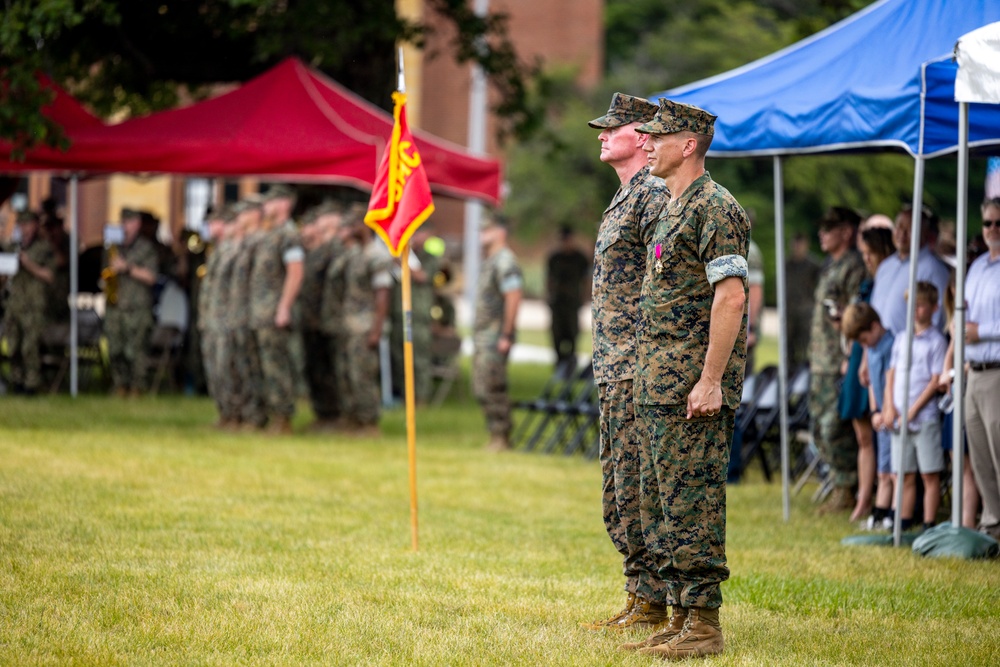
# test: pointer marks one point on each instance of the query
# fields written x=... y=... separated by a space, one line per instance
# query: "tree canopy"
x=131 y=57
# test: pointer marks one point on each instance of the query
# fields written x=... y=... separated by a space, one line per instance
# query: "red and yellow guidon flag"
x=401 y=199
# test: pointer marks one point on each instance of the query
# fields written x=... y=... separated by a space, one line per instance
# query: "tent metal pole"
x=958 y=386
x=911 y=304
x=74 y=283
x=779 y=234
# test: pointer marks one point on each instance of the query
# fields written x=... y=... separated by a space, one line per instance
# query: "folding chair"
x=757 y=412
x=553 y=410
x=588 y=417
x=553 y=388
x=570 y=411
x=167 y=339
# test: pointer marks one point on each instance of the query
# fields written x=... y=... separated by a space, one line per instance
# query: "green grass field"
x=133 y=533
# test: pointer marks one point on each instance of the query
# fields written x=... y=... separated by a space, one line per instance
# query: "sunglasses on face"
x=989 y=223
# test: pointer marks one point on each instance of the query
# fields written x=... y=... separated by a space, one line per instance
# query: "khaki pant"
x=982 y=427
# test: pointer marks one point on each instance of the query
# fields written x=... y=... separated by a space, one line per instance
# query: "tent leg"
x=74 y=284
x=958 y=386
x=911 y=304
x=779 y=234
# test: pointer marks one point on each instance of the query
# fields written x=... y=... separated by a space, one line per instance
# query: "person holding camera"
x=838 y=283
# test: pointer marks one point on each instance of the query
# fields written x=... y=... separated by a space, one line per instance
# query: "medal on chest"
x=658 y=265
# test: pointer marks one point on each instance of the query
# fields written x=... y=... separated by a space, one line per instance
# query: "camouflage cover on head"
x=625 y=109
x=676 y=117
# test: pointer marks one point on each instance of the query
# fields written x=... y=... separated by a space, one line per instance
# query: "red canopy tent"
x=290 y=123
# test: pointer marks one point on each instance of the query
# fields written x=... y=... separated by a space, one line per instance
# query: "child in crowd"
x=921 y=447
x=862 y=324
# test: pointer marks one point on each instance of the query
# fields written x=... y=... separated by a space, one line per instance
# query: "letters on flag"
x=401 y=199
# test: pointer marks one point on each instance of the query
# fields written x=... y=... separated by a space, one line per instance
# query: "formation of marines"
x=263 y=268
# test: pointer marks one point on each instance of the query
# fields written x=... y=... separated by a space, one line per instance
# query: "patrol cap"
x=625 y=109
x=836 y=216
x=27 y=217
x=130 y=213
x=494 y=219
x=677 y=117
x=279 y=191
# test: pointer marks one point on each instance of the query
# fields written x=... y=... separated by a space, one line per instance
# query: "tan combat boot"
x=664 y=632
x=498 y=443
x=279 y=426
x=841 y=499
x=643 y=615
x=603 y=624
x=702 y=635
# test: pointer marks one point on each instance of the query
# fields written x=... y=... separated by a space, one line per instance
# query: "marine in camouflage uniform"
x=691 y=358
x=498 y=293
x=241 y=374
x=25 y=311
x=619 y=265
x=839 y=281
x=128 y=323
x=275 y=281
x=320 y=367
x=209 y=321
x=367 y=281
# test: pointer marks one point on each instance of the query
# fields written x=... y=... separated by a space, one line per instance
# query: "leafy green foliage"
x=127 y=57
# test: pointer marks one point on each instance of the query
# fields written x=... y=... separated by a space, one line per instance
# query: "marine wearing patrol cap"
x=677 y=117
x=625 y=109
x=279 y=191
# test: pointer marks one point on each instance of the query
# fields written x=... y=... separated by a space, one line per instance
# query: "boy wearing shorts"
x=861 y=323
x=921 y=447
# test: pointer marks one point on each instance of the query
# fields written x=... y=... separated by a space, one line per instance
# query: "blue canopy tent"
x=875 y=81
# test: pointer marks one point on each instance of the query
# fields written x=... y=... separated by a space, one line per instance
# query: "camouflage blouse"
x=700 y=239
x=619 y=266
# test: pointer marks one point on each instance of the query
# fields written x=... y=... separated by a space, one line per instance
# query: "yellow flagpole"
x=411 y=423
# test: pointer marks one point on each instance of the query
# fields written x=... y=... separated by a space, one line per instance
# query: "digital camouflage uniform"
x=25 y=317
x=211 y=305
x=421 y=302
x=243 y=382
x=700 y=239
x=367 y=268
x=320 y=367
x=331 y=322
x=834 y=437
x=275 y=249
x=422 y=296
x=128 y=323
x=619 y=265
x=498 y=275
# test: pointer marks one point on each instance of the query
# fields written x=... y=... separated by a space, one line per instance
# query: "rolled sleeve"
x=729 y=266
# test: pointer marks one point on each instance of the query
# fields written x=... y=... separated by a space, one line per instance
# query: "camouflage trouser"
x=128 y=333
x=362 y=396
x=23 y=332
x=277 y=370
x=834 y=437
x=320 y=368
x=489 y=385
x=620 y=458
x=422 y=380
x=243 y=380
x=209 y=348
x=423 y=383
x=683 y=478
